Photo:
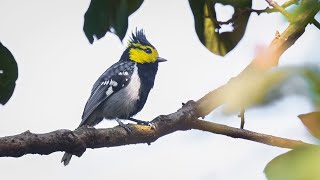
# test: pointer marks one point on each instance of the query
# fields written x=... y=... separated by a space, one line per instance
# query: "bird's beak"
x=160 y=59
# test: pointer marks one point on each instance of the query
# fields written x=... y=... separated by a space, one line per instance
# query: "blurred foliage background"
x=219 y=37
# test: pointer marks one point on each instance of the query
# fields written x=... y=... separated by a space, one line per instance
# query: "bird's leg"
x=147 y=123
x=126 y=127
x=241 y=115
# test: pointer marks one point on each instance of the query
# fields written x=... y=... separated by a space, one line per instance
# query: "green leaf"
x=8 y=74
x=312 y=122
x=104 y=15
x=312 y=75
x=298 y=164
x=207 y=25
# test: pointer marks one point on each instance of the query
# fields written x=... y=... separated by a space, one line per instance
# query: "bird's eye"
x=148 y=50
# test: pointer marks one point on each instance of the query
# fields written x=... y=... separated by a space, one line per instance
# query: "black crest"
x=139 y=37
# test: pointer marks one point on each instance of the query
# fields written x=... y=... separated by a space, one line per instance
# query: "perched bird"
x=122 y=90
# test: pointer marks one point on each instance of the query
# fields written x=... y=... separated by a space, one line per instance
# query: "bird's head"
x=141 y=50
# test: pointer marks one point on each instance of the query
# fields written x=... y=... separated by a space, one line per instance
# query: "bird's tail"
x=66 y=158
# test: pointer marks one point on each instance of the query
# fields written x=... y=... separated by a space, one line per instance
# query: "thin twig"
x=316 y=23
x=276 y=6
x=248 y=135
x=258 y=11
x=241 y=115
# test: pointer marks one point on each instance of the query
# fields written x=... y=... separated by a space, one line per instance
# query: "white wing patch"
x=109 y=91
x=113 y=83
x=105 y=83
x=123 y=102
x=124 y=73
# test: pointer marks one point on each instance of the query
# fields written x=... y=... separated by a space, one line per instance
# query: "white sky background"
x=58 y=66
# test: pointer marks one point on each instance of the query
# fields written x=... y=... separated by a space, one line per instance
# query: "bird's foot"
x=140 y=122
x=124 y=126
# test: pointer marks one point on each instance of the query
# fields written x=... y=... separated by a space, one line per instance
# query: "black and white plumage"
x=110 y=95
x=122 y=90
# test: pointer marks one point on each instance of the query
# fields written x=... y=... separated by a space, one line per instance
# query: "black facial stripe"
x=147 y=50
x=136 y=47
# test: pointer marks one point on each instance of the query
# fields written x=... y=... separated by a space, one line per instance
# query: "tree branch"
x=77 y=141
x=186 y=118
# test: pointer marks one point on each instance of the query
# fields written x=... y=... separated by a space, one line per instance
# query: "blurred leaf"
x=255 y=87
x=312 y=122
x=312 y=75
x=103 y=15
x=298 y=164
x=8 y=74
x=251 y=88
x=207 y=25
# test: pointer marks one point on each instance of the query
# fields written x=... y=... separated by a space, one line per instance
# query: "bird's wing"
x=111 y=81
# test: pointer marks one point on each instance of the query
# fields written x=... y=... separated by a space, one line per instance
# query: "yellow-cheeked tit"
x=122 y=90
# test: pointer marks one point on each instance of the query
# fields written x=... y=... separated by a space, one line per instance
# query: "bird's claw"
x=147 y=123
x=151 y=125
x=124 y=126
x=140 y=122
x=127 y=128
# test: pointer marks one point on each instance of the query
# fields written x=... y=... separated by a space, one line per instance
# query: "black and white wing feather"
x=110 y=82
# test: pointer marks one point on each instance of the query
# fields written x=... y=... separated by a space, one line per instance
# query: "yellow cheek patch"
x=138 y=54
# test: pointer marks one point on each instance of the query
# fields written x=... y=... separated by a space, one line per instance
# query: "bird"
x=122 y=90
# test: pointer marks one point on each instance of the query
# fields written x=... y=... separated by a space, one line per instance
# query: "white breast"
x=133 y=87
